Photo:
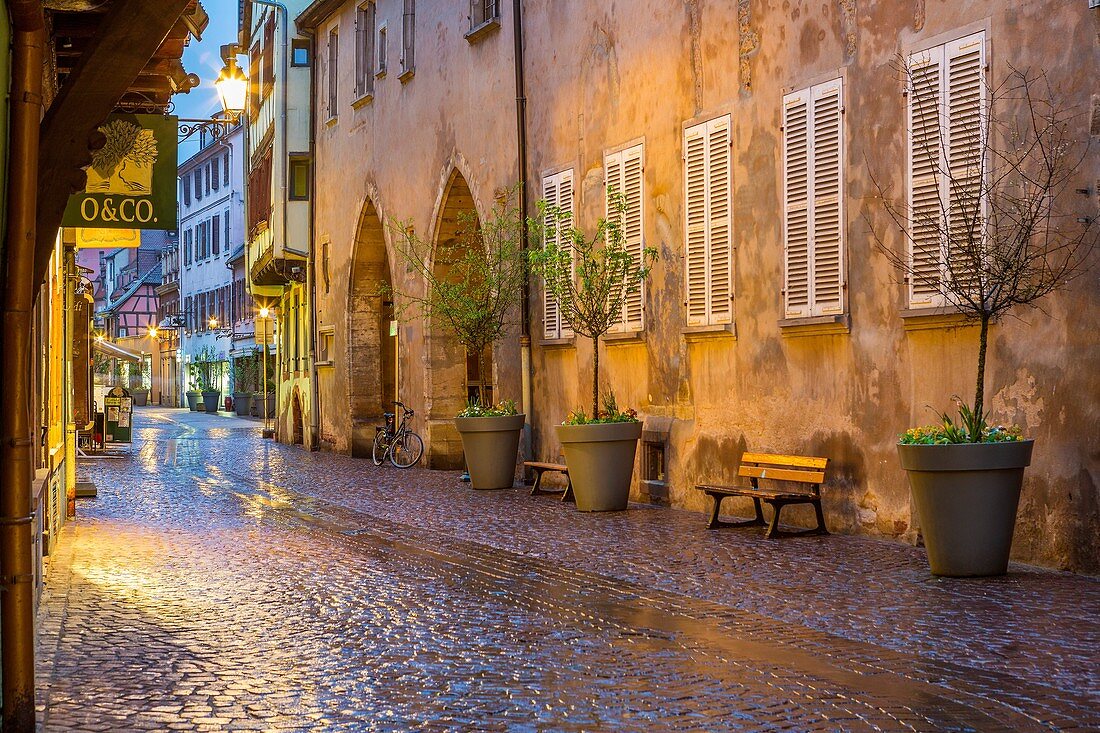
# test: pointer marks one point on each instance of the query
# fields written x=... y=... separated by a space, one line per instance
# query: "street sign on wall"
x=132 y=180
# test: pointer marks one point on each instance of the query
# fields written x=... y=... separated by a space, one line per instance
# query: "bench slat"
x=546 y=466
x=782 y=474
x=759 y=493
x=775 y=459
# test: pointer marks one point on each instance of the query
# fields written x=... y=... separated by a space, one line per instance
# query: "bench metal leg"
x=567 y=495
x=716 y=523
x=774 y=531
x=537 y=488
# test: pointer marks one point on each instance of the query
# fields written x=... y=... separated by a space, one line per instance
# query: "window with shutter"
x=333 y=72
x=408 y=36
x=624 y=174
x=947 y=97
x=557 y=190
x=813 y=201
x=707 y=256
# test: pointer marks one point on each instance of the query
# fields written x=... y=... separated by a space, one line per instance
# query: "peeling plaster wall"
x=603 y=75
x=399 y=151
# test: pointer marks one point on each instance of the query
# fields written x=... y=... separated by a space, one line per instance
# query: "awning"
x=115 y=351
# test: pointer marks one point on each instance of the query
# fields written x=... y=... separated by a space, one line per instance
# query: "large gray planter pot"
x=242 y=403
x=491 y=445
x=211 y=400
x=966 y=497
x=193 y=401
x=141 y=397
x=258 y=405
x=601 y=463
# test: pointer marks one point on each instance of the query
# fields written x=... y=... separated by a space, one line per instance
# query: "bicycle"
x=401 y=445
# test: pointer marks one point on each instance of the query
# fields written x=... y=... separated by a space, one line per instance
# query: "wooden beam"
x=127 y=38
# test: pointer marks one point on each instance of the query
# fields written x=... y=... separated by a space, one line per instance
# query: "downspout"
x=311 y=263
x=521 y=142
x=16 y=573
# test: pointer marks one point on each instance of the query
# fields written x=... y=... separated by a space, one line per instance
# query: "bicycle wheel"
x=406 y=450
x=381 y=445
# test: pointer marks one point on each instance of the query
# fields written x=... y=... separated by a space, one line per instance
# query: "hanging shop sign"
x=106 y=238
x=132 y=179
x=118 y=412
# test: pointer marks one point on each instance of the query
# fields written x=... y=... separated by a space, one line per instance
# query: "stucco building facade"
x=771 y=322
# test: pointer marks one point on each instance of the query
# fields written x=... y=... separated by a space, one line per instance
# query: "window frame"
x=365 y=17
x=332 y=72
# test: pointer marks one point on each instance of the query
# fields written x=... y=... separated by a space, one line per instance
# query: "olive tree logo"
x=124 y=165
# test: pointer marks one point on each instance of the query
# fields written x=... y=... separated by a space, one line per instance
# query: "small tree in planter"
x=245 y=376
x=995 y=237
x=139 y=383
x=590 y=277
x=194 y=381
x=473 y=285
x=209 y=370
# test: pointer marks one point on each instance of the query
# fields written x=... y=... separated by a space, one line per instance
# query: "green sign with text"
x=132 y=179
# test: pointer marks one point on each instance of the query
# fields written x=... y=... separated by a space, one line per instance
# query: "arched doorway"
x=372 y=343
x=449 y=365
x=297 y=423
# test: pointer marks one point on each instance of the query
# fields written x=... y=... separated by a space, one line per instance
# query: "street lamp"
x=267 y=333
x=232 y=86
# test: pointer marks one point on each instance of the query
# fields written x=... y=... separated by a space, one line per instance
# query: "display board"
x=118 y=414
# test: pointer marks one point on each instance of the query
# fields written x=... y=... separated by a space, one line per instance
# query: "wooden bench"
x=805 y=470
x=540 y=468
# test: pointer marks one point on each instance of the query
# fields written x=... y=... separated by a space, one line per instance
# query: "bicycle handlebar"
x=403 y=407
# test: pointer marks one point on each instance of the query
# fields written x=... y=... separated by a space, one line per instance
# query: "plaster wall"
x=604 y=75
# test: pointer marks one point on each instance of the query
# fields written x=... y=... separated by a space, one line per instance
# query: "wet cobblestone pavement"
x=222 y=582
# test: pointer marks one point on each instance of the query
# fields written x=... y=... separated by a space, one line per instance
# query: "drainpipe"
x=311 y=263
x=16 y=573
x=521 y=141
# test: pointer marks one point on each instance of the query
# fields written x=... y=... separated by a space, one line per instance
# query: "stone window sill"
x=406 y=75
x=816 y=325
x=558 y=343
x=331 y=121
x=363 y=100
x=713 y=331
x=923 y=319
x=483 y=30
x=326 y=363
x=624 y=338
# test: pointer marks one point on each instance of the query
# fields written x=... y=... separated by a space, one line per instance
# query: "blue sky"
x=204 y=58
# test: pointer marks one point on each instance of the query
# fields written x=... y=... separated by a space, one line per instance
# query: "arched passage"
x=449 y=386
x=371 y=376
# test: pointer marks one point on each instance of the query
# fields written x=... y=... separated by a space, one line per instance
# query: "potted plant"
x=193 y=393
x=138 y=384
x=209 y=370
x=474 y=283
x=590 y=277
x=1009 y=243
x=244 y=383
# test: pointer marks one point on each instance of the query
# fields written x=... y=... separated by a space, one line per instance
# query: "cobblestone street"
x=224 y=582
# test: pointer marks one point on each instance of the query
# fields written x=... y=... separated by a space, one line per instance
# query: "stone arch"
x=447 y=357
x=371 y=362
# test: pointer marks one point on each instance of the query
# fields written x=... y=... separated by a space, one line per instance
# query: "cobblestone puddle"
x=201 y=591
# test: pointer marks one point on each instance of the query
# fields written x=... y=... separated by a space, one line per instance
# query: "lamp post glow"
x=268 y=332
x=232 y=86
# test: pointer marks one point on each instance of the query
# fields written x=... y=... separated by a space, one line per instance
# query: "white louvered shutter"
x=719 y=260
x=624 y=171
x=551 y=315
x=707 y=266
x=965 y=92
x=827 y=243
x=557 y=191
x=695 y=216
x=796 y=204
x=925 y=184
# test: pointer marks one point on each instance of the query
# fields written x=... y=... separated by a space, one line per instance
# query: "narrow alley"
x=224 y=582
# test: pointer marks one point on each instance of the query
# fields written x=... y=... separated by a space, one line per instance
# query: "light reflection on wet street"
x=221 y=582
